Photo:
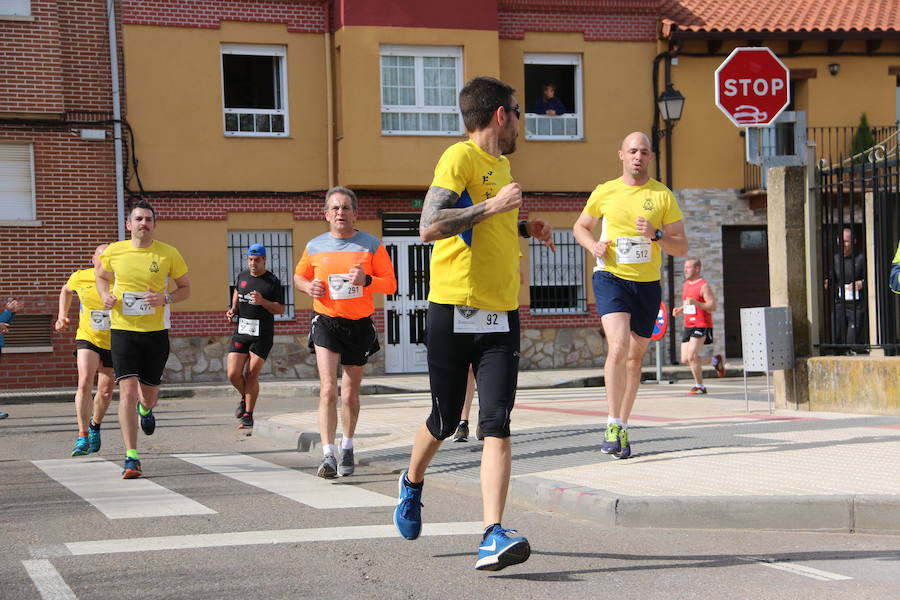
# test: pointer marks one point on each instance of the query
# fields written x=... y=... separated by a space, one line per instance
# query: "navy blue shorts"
x=640 y=299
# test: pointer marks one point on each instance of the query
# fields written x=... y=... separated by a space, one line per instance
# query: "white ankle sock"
x=328 y=449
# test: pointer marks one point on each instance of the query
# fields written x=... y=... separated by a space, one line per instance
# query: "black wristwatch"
x=368 y=281
x=523 y=229
x=658 y=235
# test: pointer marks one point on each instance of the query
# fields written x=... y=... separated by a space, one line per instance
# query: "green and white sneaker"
x=624 y=445
x=611 y=444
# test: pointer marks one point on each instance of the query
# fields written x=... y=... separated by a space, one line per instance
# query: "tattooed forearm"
x=439 y=220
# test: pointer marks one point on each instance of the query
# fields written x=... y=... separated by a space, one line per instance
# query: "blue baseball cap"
x=257 y=250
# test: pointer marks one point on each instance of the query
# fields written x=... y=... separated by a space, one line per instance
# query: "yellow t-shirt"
x=137 y=271
x=93 y=318
x=620 y=205
x=478 y=267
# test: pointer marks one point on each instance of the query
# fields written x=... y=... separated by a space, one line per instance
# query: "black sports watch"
x=368 y=281
x=658 y=235
x=523 y=229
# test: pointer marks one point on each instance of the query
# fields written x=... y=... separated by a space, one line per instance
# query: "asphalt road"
x=249 y=538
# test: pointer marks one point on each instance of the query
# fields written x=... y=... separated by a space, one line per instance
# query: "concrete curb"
x=839 y=513
x=309 y=388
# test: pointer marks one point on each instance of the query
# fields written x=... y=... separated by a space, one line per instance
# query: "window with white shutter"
x=16 y=182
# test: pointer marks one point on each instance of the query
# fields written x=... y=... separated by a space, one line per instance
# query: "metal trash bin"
x=767 y=341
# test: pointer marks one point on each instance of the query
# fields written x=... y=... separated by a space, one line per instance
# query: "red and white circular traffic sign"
x=661 y=323
x=753 y=87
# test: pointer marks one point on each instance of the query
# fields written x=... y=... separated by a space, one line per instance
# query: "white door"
x=404 y=312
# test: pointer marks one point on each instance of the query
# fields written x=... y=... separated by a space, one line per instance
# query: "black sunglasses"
x=515 y=109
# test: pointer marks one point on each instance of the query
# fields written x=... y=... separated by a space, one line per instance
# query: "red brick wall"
x=598 y=20
x=301 y=17
x=57 y=63
x=31 y=66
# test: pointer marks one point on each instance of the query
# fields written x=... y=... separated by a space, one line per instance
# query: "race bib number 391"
x=100 y=320
x=467 y=319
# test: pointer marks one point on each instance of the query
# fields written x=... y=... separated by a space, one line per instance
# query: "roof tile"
x=781 y=15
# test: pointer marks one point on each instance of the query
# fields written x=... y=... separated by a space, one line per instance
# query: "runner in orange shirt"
x=341 y=270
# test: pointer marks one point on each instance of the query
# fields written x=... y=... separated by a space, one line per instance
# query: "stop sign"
x=752 y=87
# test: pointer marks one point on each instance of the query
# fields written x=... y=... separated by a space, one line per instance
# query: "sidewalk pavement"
x=698 y=461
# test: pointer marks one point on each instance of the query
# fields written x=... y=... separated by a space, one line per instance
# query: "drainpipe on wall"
x=329 y=95
x=117 y=116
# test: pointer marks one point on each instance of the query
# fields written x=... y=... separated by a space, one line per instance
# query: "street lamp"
x=670 y=104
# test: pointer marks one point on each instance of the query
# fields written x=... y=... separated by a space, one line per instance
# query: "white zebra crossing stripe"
x=802 y=570
x=247 y=538
x=300 y=487
x=47 y=580
x=100 y=483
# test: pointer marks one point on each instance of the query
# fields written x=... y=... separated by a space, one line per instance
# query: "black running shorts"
x=354 y=339
x=494 y=358
x=258 y=345
x=105 y=355
x=141 y=354
x=698 y=332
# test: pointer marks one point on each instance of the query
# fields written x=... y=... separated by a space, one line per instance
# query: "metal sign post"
x=659 y=331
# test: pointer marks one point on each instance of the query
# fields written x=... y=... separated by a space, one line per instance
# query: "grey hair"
x=339 y=189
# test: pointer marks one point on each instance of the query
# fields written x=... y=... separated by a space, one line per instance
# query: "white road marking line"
x=247 y=538
x=48 y=581
x=802 y=570
x=300 y=487
x=100 y=483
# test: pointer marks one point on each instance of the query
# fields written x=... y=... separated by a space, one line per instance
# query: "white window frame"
x=576 y=113
x=14 y=157
x=279 y=260
x=257 y=50
x=12 y=9
x=419 y=53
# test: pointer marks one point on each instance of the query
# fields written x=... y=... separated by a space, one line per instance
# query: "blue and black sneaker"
x=82 y=447
x=611 y=444
x=624 y=445
x=501 y=548
x=148 y=421
x=94 y=437
x=132 y=468
x=408 y=514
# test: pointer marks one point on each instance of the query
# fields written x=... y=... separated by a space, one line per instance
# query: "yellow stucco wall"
x=174 y=92
x=617 y=88
x=204 y=247
x=707 y=147
x=367 y=158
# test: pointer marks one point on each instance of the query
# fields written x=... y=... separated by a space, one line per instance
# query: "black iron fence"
x=830 y=143
x=859 y=197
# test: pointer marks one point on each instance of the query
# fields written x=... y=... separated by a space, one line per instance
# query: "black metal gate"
x=851 y=193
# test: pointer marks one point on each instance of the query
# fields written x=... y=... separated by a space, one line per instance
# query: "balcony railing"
x=832 y=144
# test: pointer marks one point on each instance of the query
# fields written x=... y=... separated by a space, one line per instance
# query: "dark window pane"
x=251 y=81
x=262 y=123
x=278 y=123
x=231 y=122
x=246 y=122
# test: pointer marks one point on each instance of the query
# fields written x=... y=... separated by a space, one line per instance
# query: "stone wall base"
x=857 y=384
x=204 y=358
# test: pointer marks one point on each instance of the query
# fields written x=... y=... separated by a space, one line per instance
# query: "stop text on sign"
x=759 y=87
